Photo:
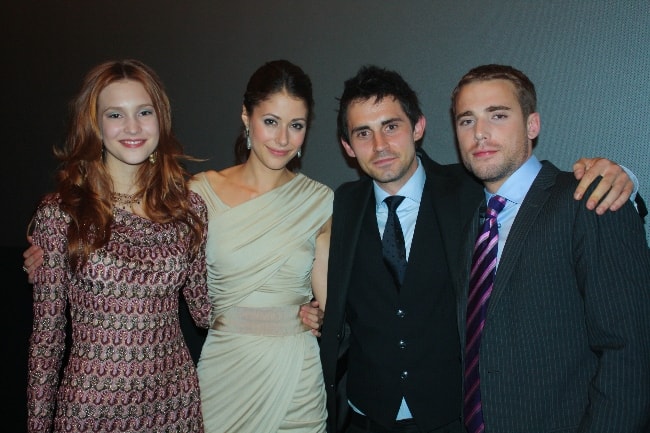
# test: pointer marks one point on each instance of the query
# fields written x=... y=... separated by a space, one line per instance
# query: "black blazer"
x=566 y=343
x=454 y=196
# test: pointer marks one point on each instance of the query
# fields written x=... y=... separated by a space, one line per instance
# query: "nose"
x=480 y=131
x=132 y=125
x=480 y=135
x=283 y=137
x=379 y=143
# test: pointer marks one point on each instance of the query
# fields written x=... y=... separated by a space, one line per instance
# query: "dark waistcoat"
x=404 y=342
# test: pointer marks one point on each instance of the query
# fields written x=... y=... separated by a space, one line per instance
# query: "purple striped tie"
x=480 y=286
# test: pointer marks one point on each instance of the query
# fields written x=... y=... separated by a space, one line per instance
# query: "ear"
x=348 y=149
x=533 y=126
x=244 y=117
x=418 y=128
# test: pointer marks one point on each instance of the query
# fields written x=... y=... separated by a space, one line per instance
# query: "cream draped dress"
x=259 y=369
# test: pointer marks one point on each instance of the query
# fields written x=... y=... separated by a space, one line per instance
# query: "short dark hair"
x=378 y=83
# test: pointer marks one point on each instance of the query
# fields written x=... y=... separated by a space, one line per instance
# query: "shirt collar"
x=515 y=188
x=412 y=189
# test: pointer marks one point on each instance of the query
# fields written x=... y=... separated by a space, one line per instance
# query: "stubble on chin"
x=487 y=173
x=390 y=176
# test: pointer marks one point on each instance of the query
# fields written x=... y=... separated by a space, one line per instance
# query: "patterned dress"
x=260 y=368
x=128 y=367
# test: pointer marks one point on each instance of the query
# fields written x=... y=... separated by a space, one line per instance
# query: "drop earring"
x=152 y=157
x=248 y=140
x=299 y=154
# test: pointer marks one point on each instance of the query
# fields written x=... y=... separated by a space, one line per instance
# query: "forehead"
x=282 y=103
x=123 y=92
x=487 y=93
x=369 y=110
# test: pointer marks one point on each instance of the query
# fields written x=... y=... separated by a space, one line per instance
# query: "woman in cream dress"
x=268 y=241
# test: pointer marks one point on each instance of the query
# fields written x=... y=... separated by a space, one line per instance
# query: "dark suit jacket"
x=454 y=195
x=566 y=344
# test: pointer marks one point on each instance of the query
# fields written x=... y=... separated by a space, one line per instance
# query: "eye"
x=270 y=122
x=113 y=115
x=299 y=126
x=147 y=112
x=392 y=127
x=465 y=122
x=362 y=133
x=500 y=116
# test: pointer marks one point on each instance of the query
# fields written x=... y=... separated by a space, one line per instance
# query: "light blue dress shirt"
x=407 y=212
x=514 y=190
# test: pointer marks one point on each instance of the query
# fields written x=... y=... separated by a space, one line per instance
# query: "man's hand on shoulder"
x=614 y=189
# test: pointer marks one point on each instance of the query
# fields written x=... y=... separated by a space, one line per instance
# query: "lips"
x=385 y=160
x=276 y=152
x=133 y=143
x=483 y=153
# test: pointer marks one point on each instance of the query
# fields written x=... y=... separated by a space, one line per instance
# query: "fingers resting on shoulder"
x=614 y=189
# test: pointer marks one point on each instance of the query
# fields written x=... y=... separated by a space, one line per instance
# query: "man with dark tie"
x=554 y=303
x=390 y=343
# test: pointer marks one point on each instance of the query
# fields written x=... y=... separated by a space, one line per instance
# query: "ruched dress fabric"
x=128 y=368
x=259 y=369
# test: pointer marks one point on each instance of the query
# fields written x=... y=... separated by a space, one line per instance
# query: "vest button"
x=404 y=375
x=401 y=313
x=402 y=344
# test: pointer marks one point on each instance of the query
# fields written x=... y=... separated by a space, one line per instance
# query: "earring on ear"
x=248 y=140
x=299 y=154
x=152 y=157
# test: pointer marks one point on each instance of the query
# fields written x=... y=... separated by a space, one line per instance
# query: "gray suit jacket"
x=566 y=344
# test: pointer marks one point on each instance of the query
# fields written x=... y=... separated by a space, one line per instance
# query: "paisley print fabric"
x=127 y=367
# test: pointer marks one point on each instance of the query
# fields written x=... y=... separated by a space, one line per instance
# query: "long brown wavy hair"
x=85 y=186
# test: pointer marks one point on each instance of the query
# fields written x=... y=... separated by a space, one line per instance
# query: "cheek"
x=297 y=136
x=465 y=139
x=151 y=125
x=154 y=130
x=106 y=129
x=259 y=133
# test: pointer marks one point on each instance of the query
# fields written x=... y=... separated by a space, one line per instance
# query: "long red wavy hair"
x=84 y=185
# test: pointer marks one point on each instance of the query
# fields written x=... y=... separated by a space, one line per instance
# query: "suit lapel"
x=524 y=221
x=455 y=205
x=350 y=211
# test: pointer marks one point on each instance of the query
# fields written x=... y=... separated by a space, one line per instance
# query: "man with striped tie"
x=554 y=303
x=390 y=344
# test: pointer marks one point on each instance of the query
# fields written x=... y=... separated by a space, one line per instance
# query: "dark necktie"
x=480 y=287
x=393 y=247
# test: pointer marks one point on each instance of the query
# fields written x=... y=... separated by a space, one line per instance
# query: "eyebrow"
x=122 y=107
x=383 y=123
x=275 y=116
x=490 y=109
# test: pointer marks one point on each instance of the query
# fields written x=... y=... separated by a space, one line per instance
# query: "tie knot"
x=393 y=202
x=495 y=205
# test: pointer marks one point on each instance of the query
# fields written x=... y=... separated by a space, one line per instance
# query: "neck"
x=121 y=187
x=264 y=179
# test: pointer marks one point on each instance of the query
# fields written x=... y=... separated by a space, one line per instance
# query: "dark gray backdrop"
x=589 y=59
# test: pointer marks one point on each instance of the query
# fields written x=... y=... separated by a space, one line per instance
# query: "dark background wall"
x=589 y=59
